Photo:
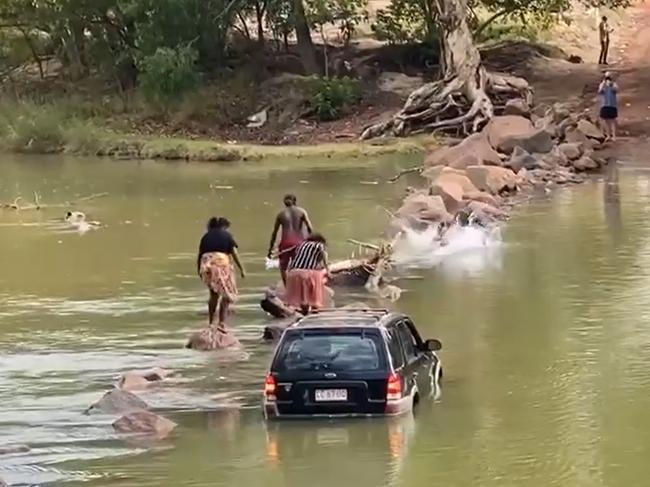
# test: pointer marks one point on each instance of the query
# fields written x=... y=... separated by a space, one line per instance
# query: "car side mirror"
x=432 y=345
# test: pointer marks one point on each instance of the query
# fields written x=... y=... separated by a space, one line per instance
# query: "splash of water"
x=462 y=248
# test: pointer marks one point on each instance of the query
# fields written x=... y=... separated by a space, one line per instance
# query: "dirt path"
x=631 y=64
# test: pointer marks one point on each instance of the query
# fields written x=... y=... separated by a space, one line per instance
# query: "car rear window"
x=330 y=350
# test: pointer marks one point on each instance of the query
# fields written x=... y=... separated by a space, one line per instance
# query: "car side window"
x=395 y=348
x=409 y=343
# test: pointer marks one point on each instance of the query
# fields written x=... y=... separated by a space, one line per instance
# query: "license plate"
x=324 y=395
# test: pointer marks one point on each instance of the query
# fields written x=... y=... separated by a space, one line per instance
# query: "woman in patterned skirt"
x=217 y=254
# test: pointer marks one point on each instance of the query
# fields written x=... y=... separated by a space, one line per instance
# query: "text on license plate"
x=331 y=395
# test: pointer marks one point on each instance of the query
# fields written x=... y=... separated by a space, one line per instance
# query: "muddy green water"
x=546 y=341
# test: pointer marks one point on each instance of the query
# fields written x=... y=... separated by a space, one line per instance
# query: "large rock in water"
x=472 y=151
x=451 y=193
x=9 y=449
x=453 y=176
x=500 y=130
x=482 y=197
x=585 y=163
x=424 y=207
x=571 y=150
x=144 y=423
x=141 y=379
x=211 y=338
x=117 y=402
x=492 y=179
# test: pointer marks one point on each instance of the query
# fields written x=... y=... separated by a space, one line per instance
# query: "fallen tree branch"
x=366 y=245
x=37 y=205
x=404 y=172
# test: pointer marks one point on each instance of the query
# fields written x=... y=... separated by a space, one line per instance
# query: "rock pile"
x=515 y=153
x=133 y=413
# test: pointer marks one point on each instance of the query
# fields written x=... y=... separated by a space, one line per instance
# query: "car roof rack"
x=351 y=310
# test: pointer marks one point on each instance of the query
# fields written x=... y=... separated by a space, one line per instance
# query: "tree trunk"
x=259 y=13
x=305 y=44
x=460 y=101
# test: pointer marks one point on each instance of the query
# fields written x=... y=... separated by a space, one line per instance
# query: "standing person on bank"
x=608 y=91
x=604 y=31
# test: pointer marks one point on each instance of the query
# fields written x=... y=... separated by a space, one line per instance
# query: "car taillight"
x=394 y=387
x=270 y=387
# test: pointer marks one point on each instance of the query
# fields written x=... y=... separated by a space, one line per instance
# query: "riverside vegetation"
x=131 y=78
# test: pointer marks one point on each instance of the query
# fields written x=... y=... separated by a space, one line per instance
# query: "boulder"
x=492 y=179
x=500 y=130
x=466 y=161
x=424 y=207
x=560 y=111
x=144 y=423
x=571 y=150
x=585 y=163
x=451 y=193
x=486 y=210
x=434 y=172
x=572 y=136
x=117 y=401
x=589 y=130
x=520 y=159
x=3 y=483
x=517 y=106
x=481 y=196
x=473 y=150
x=136 y=380
x=538 y=141
x=212 y=338
x=547 y=124
x=459 y=178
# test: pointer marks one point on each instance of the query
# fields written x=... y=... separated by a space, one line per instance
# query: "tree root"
x=459 y=106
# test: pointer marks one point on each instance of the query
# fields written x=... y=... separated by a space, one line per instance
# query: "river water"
x=546 y=337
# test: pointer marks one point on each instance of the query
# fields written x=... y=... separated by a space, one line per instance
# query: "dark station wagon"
x=358 y=362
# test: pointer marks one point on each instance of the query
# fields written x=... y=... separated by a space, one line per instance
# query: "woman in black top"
x=217 y=253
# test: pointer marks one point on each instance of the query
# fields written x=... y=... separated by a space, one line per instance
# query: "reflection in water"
x=324 y=447
x=612 y=201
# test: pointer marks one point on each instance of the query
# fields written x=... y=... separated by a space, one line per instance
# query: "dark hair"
x=604 y=17
x=290 y=199
x=317 y=237
x=218 y=222
x=213 y=223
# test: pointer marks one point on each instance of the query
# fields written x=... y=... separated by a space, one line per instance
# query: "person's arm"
x=325 y=258
x=274 y=234
x=307 y=222
x=614 y=87
x=235 y=257
x=601 y=87
x=200 y=254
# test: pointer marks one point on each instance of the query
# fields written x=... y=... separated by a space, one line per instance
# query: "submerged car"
x=351 y=363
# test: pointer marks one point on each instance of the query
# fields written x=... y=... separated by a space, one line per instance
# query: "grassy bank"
x=48 y=129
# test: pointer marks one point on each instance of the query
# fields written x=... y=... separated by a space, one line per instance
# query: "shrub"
x=406 y=22
x=330 y=96
x=26 y=127
x=168 y=74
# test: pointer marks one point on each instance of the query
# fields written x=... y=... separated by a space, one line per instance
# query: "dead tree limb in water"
x=466 y=96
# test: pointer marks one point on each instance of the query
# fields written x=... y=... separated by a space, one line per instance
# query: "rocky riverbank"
x=518 y=154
